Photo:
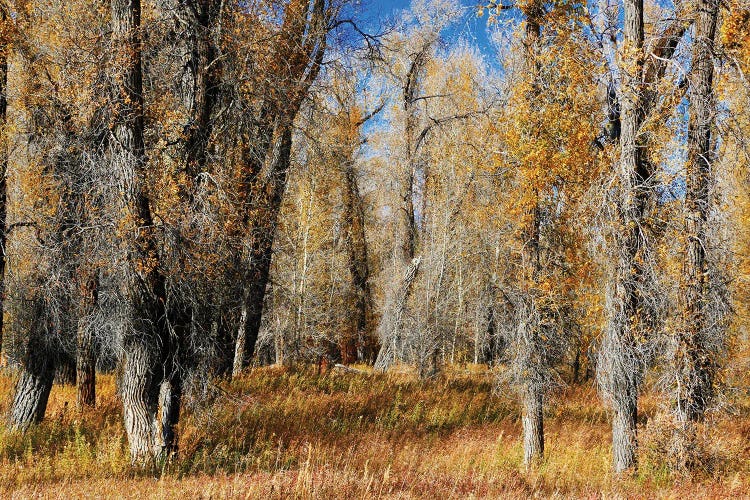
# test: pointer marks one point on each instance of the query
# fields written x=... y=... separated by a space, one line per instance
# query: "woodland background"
x=281 y=248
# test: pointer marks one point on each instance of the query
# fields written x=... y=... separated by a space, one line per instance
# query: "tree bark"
x=533 y=427
x=32 y=390
x=694 y=364
x=263 y=231
x=85 y=348
x=65 y=370
x=267 y=155
x=3 y=171
x=622 y=358
x=143 y=284
x=529 y=328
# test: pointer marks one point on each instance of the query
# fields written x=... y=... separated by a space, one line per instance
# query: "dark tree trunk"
x=3 y=174
x=85 y=348
x=695 y=365
x=65 y=372
x=262 y=235
x=361 y=346
x=34 y=384
x=266 y=157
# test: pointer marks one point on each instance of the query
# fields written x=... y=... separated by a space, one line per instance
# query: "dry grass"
x=292 y=433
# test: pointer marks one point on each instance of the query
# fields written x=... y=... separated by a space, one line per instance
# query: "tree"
x=632 y=298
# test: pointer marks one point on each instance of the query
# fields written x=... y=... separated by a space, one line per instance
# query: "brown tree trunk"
x=267 y=156
x=85 y=348
x=361 y=346
x=694 y=363
x=262 y=234
x=65 y=370
x=3 y=172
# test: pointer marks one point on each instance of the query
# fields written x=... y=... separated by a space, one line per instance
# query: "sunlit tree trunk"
x=622 y=361
x=142 y=282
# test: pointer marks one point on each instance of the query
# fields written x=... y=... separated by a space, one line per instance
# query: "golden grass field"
x=281 y=433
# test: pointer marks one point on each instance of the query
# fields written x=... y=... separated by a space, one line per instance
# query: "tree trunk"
x=363 y=345
x=621 y=366
x=85 y=348
x=270 y=193
x=142 y=281
x=170 y=399
x=624 y=433
x=695 y=366
x=32 y=391
x=86 y=368
x=3 y=173
x=301 y=44
x=138 y=399
x=529 y=334
x=65 y=372
x=533 y=426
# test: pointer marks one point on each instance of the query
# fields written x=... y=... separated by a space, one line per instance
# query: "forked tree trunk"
x=266 y=159
x=622 y=358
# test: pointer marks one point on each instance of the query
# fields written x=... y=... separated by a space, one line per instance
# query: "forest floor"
x=279 y=433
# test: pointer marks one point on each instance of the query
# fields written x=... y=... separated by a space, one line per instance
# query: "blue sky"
x=470 y=26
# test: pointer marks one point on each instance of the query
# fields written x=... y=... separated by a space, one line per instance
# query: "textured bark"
x=624 y=432
x=32 y=390
x=529 y=334
x=170 y=399
x=630 y=322
x=624 y=324
x=85 y=348
x=143 y=283
x=65 y=370
x=695 y=366
x=263 y=231
x=533 y=427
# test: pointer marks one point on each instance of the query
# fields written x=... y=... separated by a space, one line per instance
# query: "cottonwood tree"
x=632 y=297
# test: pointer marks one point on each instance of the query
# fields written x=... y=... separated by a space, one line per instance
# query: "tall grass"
x=279 y=433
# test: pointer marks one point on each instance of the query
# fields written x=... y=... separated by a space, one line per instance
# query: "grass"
x=279 y=433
